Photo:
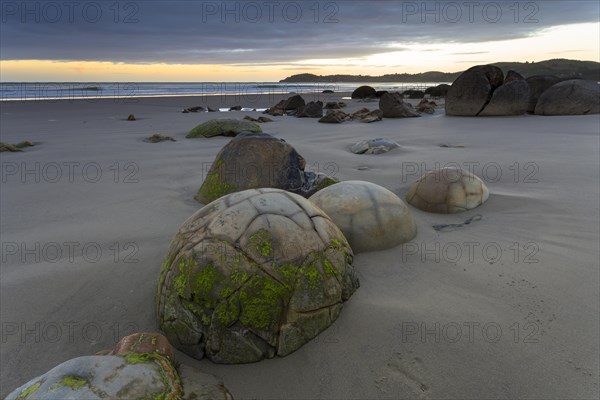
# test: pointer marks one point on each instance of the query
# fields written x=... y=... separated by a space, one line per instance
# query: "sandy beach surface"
x=504 y=307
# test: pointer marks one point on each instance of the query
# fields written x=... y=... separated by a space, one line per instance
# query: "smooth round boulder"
x=572 y=97
x=364 y=92
x=253 y=275
x=370 y=216
x=447 y=191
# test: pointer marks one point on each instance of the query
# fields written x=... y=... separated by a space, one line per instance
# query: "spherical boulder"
x=259 y=160
x=254 y=274
x=364 y=92
x=571 y=97
x=447 y=191
x=370 y=216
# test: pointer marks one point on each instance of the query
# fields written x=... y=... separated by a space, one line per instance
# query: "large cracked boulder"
x=447 y=191
x=142 y=366
x=572 y=97
x=223 y=127
x=253 y=275
x=393 y=106
x=259 y=160
x=538 y=84
x=370 y=216
x=512 y=98
x=472 y=90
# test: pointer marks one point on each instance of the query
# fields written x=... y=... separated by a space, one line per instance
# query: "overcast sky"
x=284 y=35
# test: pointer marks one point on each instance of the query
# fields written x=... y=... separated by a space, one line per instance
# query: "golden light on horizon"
x=557 y=42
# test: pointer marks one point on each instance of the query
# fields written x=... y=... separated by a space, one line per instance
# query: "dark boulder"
x=538 y=84
x=472 y=90
x=393 y=106
x=511 y=98
x=313 y=109
x=364 y=92
x=258 y=160
x=438 y=91
x=572 y=97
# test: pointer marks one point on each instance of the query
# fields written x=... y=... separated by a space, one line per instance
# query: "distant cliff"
x=560 y=67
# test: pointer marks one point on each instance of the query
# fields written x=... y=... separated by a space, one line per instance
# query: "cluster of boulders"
x=259 y=119
x=141 y=366
x=266 y=264
x=296 y=106
x=483 y=90
x=363 y=115
x=391 y=105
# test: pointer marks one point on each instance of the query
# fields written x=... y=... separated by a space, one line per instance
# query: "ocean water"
x=32 y=91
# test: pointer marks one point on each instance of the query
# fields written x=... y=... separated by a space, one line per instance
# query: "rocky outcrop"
x=393 y=106
x=426 y=106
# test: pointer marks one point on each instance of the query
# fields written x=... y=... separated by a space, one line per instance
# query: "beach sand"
x=505 y=307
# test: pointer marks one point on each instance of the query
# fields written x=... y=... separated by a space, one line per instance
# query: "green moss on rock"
x=72 y=381
x=214 y=186
x=29 y=391
x=223 y=127
x=261 y=302
x=262 y=241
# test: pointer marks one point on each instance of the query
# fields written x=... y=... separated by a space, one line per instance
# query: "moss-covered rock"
x=255 y=274
x=142 y=366
x=15 y=147
x=259 y=160
x=223 y=127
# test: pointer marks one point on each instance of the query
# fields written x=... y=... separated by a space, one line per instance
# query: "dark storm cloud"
x=270 y=32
